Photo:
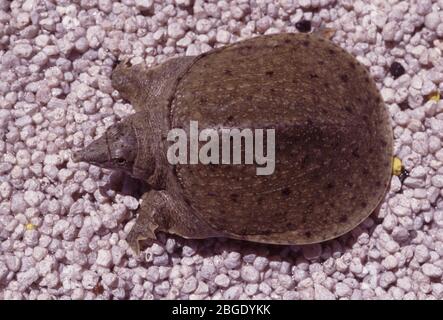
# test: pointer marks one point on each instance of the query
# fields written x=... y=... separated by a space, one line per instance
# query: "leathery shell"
x=333 y=138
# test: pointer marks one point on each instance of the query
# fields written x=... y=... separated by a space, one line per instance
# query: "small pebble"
x=397 y=70
x=250 y=274
x=303 y=26
x=104 y=258
x=222 y=280
x=431 y=270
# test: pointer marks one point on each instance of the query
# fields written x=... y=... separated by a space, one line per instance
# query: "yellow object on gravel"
x=396 y=166
x=30 y=226
x=435 y=96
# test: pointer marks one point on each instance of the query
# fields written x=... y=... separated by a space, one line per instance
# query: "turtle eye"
x=120 y=161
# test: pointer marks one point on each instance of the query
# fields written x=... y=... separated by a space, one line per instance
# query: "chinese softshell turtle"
x=332 y=134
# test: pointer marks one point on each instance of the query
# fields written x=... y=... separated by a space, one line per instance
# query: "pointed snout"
x=95 y=153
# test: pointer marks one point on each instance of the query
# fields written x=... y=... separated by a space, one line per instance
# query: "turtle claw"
x=141 y=232
x=326 y=33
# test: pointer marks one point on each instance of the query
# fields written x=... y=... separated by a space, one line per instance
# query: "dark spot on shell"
x=305 y=43
x=349 y=109
x=211 y=194
x=313 y=75
x=269 y=73
x=228 y=72
x=230 y=118
x=234 y=197
x=365 y=171
x=260 y=200
x=203 y=100
x=363 y=204
x=365 y=118
x=287 y=41
x=343 y=218
x=286 y=191
x=344 y=77
x=308 y=234
x=352 y=65
x=332 y=51
x=329 y=185
x=355 y=153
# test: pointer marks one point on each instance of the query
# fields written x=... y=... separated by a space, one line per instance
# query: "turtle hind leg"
x=149 y=86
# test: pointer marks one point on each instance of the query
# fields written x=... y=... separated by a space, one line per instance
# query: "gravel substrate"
x=63 y=227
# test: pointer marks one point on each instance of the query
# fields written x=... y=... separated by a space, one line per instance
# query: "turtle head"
x=116 y=149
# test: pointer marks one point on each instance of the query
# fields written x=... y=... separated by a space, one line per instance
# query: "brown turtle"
x=333 y=141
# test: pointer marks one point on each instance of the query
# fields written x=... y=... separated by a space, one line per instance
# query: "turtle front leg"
x=153 y=203
x=159 y=211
